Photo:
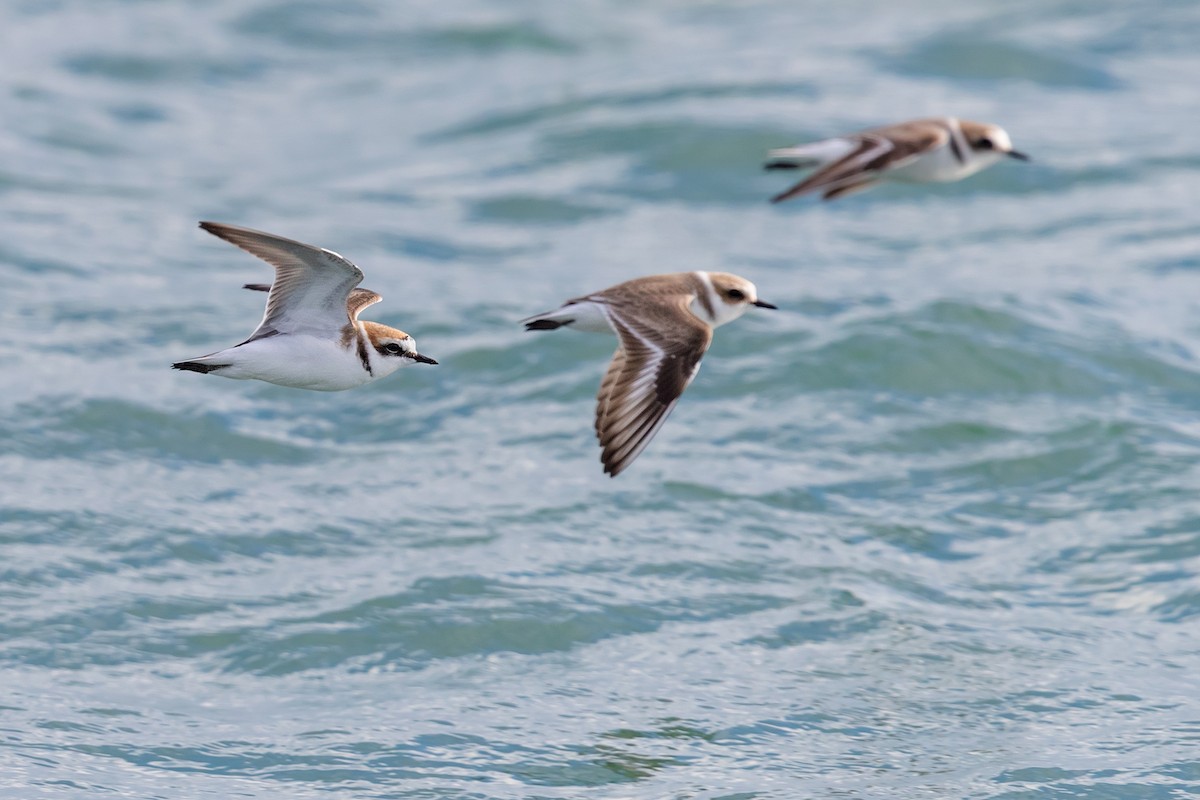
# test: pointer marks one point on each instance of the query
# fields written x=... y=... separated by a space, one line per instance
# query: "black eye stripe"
x=736 y=294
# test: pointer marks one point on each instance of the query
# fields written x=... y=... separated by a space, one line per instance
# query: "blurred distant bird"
x=310 y=336
x=921 y=150
x=664 y=323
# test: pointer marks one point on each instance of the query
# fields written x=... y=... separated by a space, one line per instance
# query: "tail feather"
x=802 y=157
x=813 y=154
x=197 y=366
x=546 y=324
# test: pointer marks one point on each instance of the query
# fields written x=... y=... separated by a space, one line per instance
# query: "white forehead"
x=999 y=137
x=403 y=341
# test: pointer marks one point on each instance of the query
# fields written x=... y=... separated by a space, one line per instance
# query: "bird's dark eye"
x=393 y=348
x=736 y=294
x=986 y=144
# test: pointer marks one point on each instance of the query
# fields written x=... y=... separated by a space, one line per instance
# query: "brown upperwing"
x=876 y=150
x=630 y=411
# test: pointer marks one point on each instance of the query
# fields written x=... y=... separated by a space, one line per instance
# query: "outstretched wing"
x=358 y=300
x=870 y=148
x=649 y=371
x=876 y=153
x=312 y=285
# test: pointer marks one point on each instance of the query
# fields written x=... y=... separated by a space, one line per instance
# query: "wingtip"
x=217 y=229
x=226 y=231
x=793 y=191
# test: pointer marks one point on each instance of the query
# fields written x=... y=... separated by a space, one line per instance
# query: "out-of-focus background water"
x=930 y=530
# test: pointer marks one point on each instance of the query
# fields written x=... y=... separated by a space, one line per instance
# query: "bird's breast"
x=303 y=362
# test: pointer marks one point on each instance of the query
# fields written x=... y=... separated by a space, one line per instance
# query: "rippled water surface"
x=930 y=530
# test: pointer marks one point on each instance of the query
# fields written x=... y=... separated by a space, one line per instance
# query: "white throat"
x=973 y=160
x=380 y=365
x=722 y=311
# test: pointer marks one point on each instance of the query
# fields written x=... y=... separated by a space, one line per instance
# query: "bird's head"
x=985 y=139
x=733 y=294
x=392 y=348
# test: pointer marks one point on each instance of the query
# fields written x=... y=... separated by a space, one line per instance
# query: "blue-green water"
x=932 y=530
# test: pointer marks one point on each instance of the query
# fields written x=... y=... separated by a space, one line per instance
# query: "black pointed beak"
x=420 y=359
x=765 y=304
x=1018 y=155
